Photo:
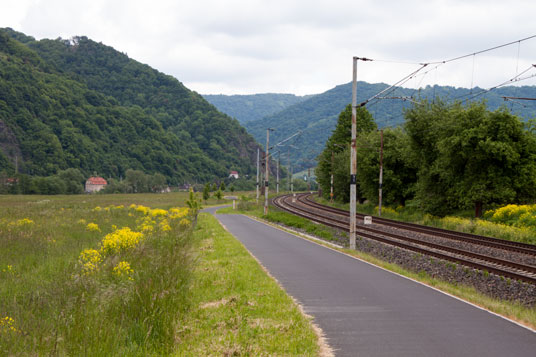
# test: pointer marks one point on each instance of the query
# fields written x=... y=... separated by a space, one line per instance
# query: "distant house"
x=233 y=174
x=12 y=181
x=95 y=184
x=185 y=187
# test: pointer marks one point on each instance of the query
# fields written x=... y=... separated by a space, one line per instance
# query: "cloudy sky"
x=297 y=46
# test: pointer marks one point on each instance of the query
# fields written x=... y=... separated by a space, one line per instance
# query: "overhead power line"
x=450 y=59
x=423 y=65
x=483 y=51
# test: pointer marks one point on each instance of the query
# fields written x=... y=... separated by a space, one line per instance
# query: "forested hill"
x=317 y=116
x=80 y=104
x=246 y=108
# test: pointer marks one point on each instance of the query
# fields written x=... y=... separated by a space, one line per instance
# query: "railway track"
x=458 y=236
x=409 y=237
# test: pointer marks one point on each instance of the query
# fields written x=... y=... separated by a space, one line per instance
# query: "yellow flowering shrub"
x=142 y=209
x=123 y=269
x=514 y=215
x=158 y=212
x=146 y=228
x=120 y=240
x=90 y=260
x=22 y=222
x=176 y=213
x=93 y=227
x=164 y=225
x=185 y=222
x=6 y=325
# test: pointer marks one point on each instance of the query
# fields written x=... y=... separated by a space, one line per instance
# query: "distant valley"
x=317 y=115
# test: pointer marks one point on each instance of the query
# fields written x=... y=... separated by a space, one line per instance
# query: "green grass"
x=237 y=308
x=57 y=307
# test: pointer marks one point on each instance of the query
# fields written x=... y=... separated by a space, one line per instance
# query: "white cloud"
x=297 y=46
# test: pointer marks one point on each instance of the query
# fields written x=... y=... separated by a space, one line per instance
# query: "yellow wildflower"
x=90 y=260
x=185 y=222
x=123 y=269
x=142 y=209
x=158 y=212
x=24 y=222
x=176 y=213
x=97 y=209
x=93 y=227
x=164 y=226
x=6 y=325
x=120 y=240
x=81 y=221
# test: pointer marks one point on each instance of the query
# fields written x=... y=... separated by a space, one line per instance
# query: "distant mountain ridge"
x=246 y=108
x=80 y=104
x=317 y=116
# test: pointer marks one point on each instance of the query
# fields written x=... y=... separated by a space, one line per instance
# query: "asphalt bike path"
x=364 y=310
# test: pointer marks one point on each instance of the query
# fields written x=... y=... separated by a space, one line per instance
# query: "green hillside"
x=317 y=116
x=81 y=104
x=246 y=108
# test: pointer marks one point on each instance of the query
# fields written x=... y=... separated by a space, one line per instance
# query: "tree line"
x=446 y=157
x=71 y=181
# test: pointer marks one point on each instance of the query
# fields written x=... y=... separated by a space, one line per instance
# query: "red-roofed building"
x=234 y=174
x=95 y=184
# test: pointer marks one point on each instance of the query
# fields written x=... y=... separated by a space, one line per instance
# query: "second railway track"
x=393 y=234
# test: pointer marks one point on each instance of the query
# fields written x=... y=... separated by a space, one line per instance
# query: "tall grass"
x=58 y=300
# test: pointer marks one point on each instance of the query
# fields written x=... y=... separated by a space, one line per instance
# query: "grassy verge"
x=515 y=311
x=236 y=308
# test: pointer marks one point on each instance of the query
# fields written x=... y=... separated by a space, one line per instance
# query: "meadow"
x=93 y=275
x=106 y=275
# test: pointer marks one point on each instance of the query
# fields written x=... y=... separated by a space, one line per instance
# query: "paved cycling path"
x=367 y=311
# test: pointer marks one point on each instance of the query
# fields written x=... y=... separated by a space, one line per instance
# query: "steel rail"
x=517 y=247
x=528 y=275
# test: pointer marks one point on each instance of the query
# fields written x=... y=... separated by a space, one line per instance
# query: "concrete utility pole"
x=353 y=158
x=258 y=157
x=309 y=179
x=277 y=180
x=331 y=180
x=381 y=174
x=267 y=171
x=289 y=172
